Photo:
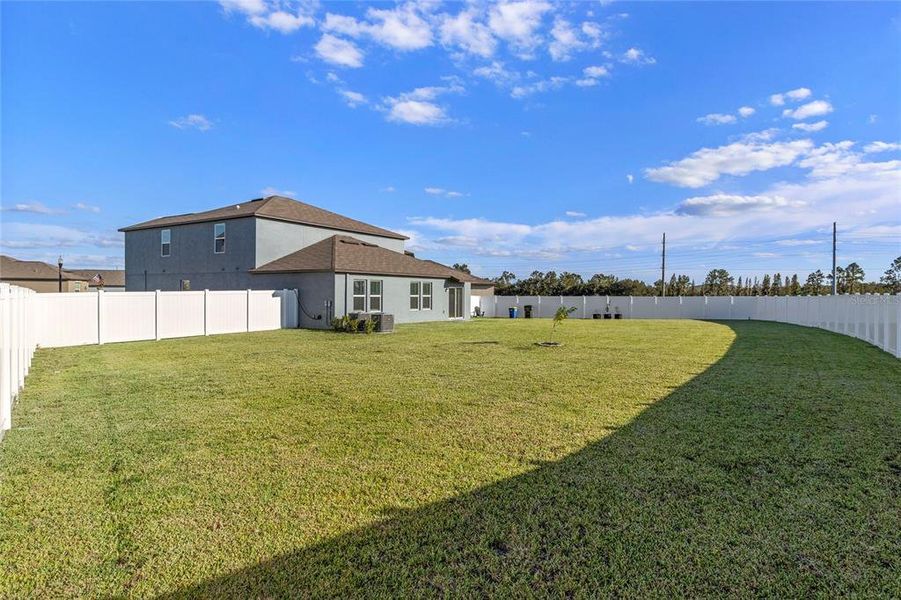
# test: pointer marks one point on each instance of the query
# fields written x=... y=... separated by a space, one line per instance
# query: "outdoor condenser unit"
x=383 y=323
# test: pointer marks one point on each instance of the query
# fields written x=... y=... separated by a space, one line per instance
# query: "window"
x=219 y=238
x=77 y=286
x=426 y=295
x=414 y=295
x=375 y=296
x=165 y=242
x=359 y=303
x=184 y=285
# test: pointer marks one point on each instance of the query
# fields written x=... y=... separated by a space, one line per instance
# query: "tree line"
x=850 y=279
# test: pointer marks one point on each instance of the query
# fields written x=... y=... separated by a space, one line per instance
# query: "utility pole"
x=663 y=268
x=834 y=281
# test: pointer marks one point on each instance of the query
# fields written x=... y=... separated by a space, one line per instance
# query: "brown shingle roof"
x=278 y=208
x=13 y=268
x=111 y=277
x=345 y=254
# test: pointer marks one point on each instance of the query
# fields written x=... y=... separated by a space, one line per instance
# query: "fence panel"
x=17 y=346
x=181 y=314
x=126 y=317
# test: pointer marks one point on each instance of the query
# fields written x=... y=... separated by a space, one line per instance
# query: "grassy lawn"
x=642 y=458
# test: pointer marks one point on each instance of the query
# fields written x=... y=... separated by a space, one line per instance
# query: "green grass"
x=642 y=458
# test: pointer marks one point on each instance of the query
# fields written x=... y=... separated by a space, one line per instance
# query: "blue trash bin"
x=512 y=310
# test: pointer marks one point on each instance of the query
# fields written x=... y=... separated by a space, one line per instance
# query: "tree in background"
x=462 y=267
x=892 y=277
x=718 y=282
x=765 y=285
x=814 y=284
x=853 y=276
x=504 y=281
x=776 y=287
x=739 y=287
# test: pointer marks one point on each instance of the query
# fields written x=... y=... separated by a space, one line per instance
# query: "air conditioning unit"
x=383 y=323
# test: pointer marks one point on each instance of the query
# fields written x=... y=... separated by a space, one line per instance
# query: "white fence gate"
x=874 y=318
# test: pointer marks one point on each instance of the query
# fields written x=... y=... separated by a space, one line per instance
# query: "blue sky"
x=514 y=136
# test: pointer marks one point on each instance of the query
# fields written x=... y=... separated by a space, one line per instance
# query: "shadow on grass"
x=764 y=475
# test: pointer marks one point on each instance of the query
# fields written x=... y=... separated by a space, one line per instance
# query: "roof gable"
x=278 y=208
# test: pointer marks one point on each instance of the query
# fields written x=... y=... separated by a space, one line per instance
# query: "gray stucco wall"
x=278 y=238
x=396 y=297
x=191 y=257
x=314 y=290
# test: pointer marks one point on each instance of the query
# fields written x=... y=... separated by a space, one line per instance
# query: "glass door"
x=455 y=303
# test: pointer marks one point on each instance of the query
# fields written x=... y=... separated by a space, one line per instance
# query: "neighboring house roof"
x=13 y=269
x=111 y=277
x=278 y=208
x=463 y=275
x=345 y=254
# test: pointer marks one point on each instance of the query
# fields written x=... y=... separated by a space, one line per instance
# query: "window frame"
x=380 y=296
x=423 y=295
x=165 y=243
x=355 y=295
x=416 y=295
x=216 y=238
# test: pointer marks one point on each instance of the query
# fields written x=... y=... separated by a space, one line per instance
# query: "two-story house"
x=337 y=264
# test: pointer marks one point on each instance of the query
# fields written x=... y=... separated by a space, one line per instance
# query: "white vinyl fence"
x=29 y=320
x=874 y=318
x=17 y=345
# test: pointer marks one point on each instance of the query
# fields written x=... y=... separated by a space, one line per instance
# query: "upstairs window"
x=414 y=295
x=219 y=238
x=359 y=304
x=426 y=295
x=375 y=296
x=165 y=242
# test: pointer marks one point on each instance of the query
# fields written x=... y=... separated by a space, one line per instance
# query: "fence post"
x=156 y=315
x=631 y=301
x=897 y=308
x=5 y=392
x=584 y=314
x=99 y=317
x=206 y=311
x=887 y=307
x=538 y=312
x=248 y=310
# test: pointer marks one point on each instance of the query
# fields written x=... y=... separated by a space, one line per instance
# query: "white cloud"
x=419 y=107
x=281 y=21
x=437 y=191
x=636 y=56
x=31 y=207
x=271 y=191
x=465 y=32
x=415 y=112
x=269 y=15
x=353 y=99
x=575 y=214
x=873 y=119
x=389 y=189
x=722 y=205
x=565 y=41
x=87 y=207
x=498 y=73
x=400 y=28
x=859 y=200
x=708 y=164
x=795 y=95
x=716 y=119
x=518 y=23
x=881 y=147
x=37 y=235
x=544 y=85
x=630 y=178
x=746 y=111
x=198 y=122
x=595 y=72
x=811 y=109
x=338 y=51
x=832 y=160
x=811 y=127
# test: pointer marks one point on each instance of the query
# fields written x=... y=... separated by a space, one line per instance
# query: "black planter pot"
x=596 y=316
x=618 y=316
x=608 y=316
